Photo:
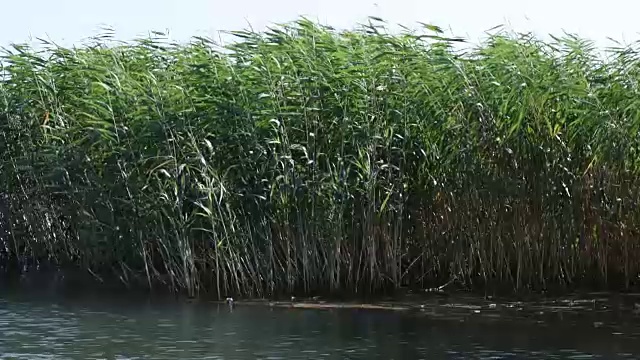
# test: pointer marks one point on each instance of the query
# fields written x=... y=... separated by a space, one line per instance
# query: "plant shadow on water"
x=38 y=326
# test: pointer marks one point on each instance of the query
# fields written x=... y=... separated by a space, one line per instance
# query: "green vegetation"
x=308 y=159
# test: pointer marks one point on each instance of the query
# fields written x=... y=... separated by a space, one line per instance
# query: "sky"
x=68 y=22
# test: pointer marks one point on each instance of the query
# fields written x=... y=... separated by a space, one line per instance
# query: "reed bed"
x=306 y=159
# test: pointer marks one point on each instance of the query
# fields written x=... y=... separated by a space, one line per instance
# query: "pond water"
x=51 y=326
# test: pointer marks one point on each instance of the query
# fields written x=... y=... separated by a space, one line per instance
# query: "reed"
x=306 y=159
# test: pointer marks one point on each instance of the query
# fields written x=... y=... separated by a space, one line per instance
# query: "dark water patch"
x=115 y=327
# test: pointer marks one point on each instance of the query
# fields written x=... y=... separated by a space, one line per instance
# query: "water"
x=46 y=326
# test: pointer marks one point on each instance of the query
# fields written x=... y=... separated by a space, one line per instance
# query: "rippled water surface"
x=100 y=327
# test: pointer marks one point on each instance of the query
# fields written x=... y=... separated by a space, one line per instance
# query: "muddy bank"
x=607 y=311
x=586 y=301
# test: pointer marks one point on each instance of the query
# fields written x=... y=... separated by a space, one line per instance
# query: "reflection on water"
x=37 y=327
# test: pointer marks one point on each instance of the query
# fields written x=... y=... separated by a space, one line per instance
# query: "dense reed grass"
x=306 y=159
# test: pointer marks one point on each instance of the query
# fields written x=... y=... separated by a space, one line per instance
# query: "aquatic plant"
x=308 y=159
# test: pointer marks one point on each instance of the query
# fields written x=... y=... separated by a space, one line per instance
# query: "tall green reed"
x=304 y=159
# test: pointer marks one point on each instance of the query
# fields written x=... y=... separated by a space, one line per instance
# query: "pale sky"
x=69 y=21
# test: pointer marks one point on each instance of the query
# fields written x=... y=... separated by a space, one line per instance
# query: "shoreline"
x=456 y=303
x=74 y=281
